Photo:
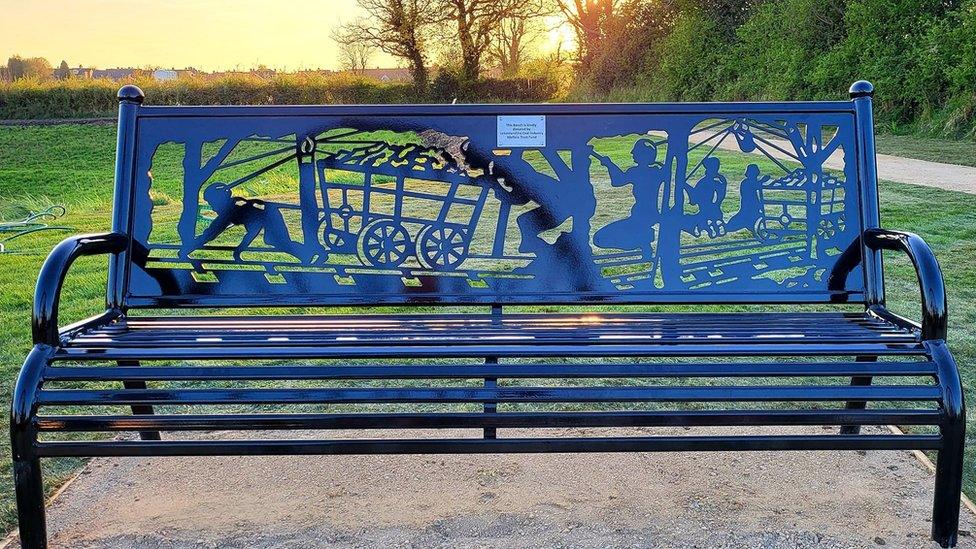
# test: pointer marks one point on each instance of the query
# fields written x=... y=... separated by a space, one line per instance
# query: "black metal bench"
x=509 y=214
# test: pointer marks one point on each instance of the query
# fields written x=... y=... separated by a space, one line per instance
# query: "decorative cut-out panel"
x=627 y=208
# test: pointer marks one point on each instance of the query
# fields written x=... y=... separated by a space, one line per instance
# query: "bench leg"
x=858 y=405
x=30 y=502
x=28 y=483
x=948 y=486
x=140 y=409
x=949 y=464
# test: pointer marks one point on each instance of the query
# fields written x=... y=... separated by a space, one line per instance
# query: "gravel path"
x=708 y=500
x=931 y=174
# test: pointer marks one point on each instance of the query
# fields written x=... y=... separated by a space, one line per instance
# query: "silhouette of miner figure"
x=254 y=215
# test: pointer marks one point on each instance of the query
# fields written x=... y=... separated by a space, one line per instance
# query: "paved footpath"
x=776 y=500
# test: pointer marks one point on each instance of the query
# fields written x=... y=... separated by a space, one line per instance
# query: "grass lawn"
x=928 y=148
x=73 y=166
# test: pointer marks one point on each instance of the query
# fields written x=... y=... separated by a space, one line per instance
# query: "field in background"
x=928 y=148
x=72 y=99
x=73 y=165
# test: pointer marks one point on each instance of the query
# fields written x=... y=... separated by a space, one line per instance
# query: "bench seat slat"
x=238 y=336
x=182 y=337
x=513 y=329
x=499 y=445
x=647 y=348
x=509 y=317
x=216 y=373
x=508 y=321
x=671 y=418
x=484 y=335
x=178 y=325
x=650 y=339
x=489 y=395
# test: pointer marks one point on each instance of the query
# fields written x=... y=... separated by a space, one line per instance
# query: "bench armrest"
x=47 y=294
x=932 y=286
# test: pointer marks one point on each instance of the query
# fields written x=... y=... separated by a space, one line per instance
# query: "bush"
x=776 y=65
x=448 y=87
x=691 y=67
x=920 y=54
x=883 y=45
x=947 y=59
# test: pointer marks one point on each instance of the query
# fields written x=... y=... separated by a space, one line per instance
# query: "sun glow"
x=204 y=34
x=207 y=35
x=560 y=35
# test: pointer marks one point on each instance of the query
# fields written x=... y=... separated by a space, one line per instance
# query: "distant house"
x=81 y=72
x=387 y=75
x=163 y=75
x=116 y=74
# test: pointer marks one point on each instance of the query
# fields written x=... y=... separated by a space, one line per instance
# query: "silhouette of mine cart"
x=386 y=203
x=800 y=206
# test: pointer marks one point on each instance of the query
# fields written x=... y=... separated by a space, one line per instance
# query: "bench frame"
x=49 y=340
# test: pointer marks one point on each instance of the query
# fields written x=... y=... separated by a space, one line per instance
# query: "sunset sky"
x=206 y=34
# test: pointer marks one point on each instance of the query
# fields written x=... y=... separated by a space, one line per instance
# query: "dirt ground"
x=687 y=500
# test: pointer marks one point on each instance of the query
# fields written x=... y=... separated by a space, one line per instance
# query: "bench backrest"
x=638 y=203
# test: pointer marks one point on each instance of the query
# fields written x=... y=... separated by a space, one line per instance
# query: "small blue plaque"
x=522 y=131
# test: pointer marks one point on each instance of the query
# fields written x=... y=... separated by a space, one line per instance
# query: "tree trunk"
x=418 y=70
x=469 y=68
x=470 y=56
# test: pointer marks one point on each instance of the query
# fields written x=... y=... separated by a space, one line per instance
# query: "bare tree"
x=354 y=53
x=398 y=28
x=511 y=43
x=476 y=23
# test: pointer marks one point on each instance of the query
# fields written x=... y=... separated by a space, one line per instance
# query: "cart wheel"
x=763 y=234
x=443 y=248
x=384 y=243
x=337 y=241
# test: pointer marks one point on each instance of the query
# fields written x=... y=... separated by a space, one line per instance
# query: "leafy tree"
x=946 y=70
x=63 y=72
x=633 y=42
x=399 y=28
x=29 y=67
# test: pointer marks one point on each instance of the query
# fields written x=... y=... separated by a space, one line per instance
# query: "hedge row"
x=31 y=99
